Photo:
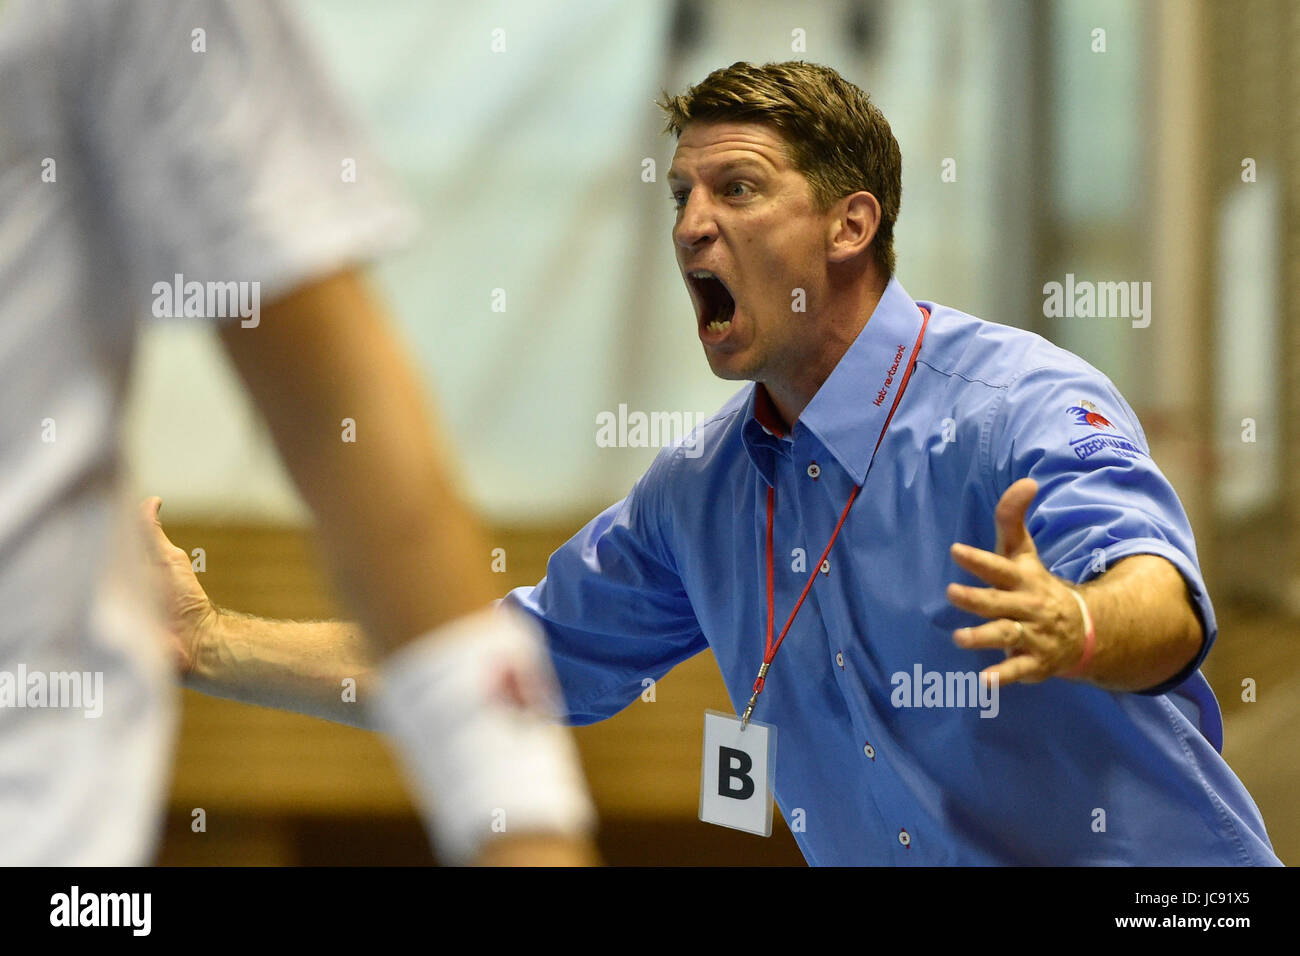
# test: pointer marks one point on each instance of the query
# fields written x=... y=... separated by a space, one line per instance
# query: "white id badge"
x=736 y=779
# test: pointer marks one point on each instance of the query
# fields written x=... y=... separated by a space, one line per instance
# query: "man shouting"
x=907 y=510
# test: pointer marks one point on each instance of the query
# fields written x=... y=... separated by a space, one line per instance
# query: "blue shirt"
x=1064 y=772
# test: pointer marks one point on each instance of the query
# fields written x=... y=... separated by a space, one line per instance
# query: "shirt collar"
x=761 y=435
x=849 y=410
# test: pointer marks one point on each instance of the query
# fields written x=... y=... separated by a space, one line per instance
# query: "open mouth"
x=716 y=304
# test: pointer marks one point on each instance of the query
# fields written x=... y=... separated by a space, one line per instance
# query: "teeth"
x=701 y=274
x=717 y=326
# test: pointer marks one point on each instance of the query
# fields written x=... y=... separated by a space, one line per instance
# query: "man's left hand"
x=1033 y=616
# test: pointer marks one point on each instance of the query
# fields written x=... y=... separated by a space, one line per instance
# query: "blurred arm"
x=404 y=550
x=392 y=526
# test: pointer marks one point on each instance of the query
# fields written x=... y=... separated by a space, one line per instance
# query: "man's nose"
x=696 y=225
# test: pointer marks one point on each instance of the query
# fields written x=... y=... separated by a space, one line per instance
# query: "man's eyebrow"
x=732 y=165
x=729 y=166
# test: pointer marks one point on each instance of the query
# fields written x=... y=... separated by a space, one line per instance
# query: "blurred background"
x=1108 y=139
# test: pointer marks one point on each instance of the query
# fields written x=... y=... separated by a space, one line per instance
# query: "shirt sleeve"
x=613 y=606
x=218 y=149
x=1101 y=497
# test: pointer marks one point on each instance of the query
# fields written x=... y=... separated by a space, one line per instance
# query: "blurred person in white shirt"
x=137 y=156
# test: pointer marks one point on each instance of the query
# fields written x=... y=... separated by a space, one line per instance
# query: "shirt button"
x=814 y=470
x=904 y=838
x=826 y=566
x=870 y=751
x=839 y=659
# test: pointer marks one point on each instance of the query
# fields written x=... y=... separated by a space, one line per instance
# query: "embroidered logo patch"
x=1086 y=413
x=1101 y=435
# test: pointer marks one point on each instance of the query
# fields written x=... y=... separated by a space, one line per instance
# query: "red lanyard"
x=770 y=648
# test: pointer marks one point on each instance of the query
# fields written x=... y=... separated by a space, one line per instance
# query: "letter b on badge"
x=734 y=765
x=736 y=784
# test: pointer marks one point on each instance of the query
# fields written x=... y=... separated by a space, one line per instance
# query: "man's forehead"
x=709 y=144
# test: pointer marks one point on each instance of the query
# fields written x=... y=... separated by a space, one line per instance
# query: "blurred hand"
x=189 y=612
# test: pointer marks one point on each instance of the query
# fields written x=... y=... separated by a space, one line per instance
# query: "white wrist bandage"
x=474 y=709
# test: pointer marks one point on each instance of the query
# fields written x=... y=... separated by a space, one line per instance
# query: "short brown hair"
x=835 y=135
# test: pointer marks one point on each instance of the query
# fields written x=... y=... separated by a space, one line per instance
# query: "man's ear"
x=852 y=225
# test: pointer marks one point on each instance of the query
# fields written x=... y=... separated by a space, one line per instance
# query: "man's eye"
x=679 y=199
x=736 y=189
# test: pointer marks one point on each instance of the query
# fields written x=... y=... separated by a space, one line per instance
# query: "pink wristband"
x=1089 y=636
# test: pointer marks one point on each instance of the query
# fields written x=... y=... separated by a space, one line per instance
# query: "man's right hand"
x=189 y=612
